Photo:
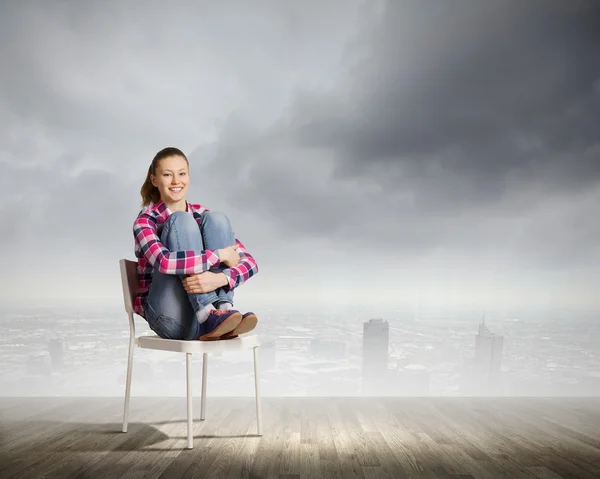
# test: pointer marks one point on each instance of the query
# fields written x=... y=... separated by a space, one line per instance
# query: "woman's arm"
x=170 y=262
x=244 y=270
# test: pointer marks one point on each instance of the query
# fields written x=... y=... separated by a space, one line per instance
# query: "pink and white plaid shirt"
x=147 y=230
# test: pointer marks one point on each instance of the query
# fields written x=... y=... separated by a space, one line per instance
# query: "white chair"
x=129 y=278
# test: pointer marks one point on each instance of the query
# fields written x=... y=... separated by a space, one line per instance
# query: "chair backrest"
x=130 y=282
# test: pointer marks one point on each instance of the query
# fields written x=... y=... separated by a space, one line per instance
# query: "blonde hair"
x=149 y=192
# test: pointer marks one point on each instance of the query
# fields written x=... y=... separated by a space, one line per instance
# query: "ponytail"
x=149 y=192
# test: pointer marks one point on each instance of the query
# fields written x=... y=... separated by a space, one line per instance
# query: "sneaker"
x=248 y=323
x=219 y=323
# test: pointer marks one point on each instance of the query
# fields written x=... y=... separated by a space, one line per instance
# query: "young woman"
x=189 y=260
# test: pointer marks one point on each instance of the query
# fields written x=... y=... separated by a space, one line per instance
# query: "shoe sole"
x=247 y=324
x=225 y=327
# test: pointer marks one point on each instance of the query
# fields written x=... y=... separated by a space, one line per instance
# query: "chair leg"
x=128 y=384
x=188 y=367
x=257 y=391
x=203 y=397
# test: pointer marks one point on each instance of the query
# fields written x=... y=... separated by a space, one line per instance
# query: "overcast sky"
x=442 y=152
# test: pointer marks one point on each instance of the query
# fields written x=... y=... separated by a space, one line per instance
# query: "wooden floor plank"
x=19 y=424
x=53 y=437
x=465 y=438
x=543 y=472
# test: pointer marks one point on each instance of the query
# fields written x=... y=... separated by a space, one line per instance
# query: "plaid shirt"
x=147 y=230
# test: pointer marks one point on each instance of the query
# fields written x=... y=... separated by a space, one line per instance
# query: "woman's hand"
x=229 y=256
x=204 y=282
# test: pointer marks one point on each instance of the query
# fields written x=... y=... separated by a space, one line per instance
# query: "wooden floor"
x=303 y=437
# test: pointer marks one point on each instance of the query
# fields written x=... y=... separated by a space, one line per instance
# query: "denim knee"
x=216 y=219
x=183 y=220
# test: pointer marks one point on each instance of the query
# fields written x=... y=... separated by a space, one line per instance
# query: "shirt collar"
x=161 y=207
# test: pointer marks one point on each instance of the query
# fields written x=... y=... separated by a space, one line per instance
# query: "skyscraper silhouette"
x=376 y=338
x=488 y=360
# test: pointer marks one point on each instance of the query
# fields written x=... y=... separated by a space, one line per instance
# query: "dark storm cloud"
x=457 y=121
x=477 y=89
x=448 y=127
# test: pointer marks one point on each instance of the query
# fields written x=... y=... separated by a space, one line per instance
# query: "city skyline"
x=83 y=352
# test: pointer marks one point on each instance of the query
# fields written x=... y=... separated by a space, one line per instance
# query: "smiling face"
x=172 y=179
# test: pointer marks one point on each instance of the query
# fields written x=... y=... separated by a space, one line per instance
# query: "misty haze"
x=55 y=349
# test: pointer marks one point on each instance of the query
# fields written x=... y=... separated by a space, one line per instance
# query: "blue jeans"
x=171 y=311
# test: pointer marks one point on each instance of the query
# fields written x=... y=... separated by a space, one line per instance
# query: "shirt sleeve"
x=170 y=262
x=245 y=269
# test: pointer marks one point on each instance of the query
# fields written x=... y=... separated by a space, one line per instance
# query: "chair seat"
x=155 y=342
